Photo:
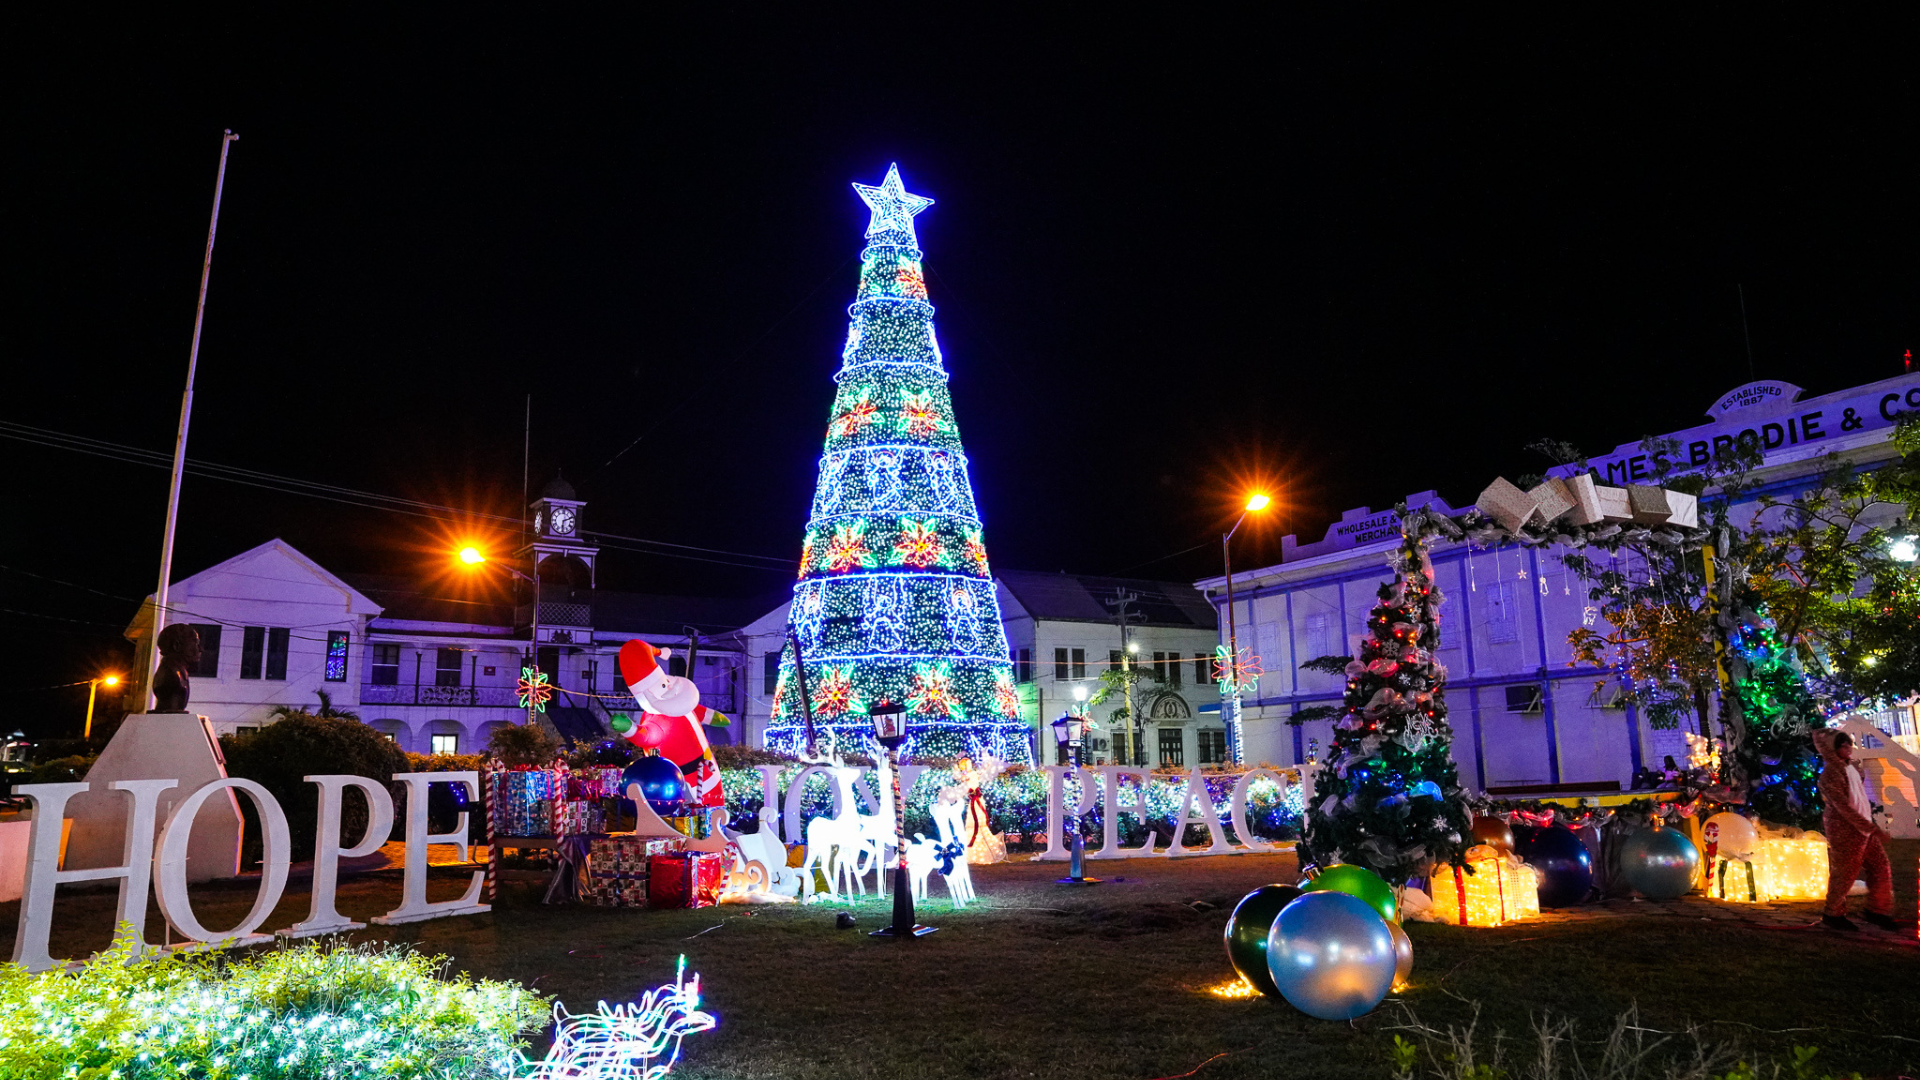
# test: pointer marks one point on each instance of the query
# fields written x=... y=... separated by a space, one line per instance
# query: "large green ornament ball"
x=1357 y=881
x=1247 y=930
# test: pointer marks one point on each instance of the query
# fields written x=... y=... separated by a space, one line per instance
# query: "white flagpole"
x=150 y=648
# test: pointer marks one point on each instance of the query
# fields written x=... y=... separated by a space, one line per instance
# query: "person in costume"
x=671 y=719
x=1856 y=847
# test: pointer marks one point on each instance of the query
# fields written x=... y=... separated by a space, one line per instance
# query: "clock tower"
x=564 y=563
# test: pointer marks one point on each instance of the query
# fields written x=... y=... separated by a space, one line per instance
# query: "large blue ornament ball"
x=1562 y=862
x=1331 y=955
x=1660 y=864
x=1247 y=930
x=661 y=784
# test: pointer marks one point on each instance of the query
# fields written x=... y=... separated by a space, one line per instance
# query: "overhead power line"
x=371 y=500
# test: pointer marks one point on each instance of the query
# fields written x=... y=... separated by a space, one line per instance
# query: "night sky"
x=1172 y=259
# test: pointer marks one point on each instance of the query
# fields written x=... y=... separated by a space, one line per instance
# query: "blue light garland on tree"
x=895 y=600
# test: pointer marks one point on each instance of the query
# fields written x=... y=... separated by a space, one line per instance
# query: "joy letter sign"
x=161 y=861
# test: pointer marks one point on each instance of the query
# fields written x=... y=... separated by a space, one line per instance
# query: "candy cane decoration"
x=492 y=794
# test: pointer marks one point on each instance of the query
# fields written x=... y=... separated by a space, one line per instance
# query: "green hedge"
x=309 y=1011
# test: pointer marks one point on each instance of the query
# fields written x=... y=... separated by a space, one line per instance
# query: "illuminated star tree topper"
x=893 y=208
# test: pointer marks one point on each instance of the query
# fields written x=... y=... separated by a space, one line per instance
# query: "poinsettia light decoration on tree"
x=1388 y=797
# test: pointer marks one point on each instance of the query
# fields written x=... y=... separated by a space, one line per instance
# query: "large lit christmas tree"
x=895 y=602
x=1389 y=797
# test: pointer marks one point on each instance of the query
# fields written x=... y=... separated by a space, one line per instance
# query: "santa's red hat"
x=640 y=666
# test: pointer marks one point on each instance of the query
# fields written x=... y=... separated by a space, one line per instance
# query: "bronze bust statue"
x=179 y=654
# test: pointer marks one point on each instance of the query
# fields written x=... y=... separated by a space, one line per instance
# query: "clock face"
x=539 y=521
x=562 y=520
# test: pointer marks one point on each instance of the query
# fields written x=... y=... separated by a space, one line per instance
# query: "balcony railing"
x=556 y=613
x=492 y=697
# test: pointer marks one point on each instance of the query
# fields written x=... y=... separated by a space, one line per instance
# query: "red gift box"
x=685 y=879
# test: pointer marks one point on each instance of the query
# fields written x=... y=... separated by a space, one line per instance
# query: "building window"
x=1079 y=663
x=1113 y=660
x=253 y=645
x=592 y=672
x=1173 y=747
x=1025 y=670
x=1524 y=699
x=488 y=670
x=1060 y=668
x=1160 y=666
x=277 y=639
x=444 y=744
x=1318 y=643
x=336 y=656
x=1503 y=624
x=446 y=667
x=772 y=673
x=245 y=729
x=263 y=642
x=1201 y=676
x=209 y=665
x=384 y=670
x=1173 y=669
x=1213 y=746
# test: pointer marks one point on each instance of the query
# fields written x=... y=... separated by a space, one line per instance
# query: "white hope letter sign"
x=162 y=863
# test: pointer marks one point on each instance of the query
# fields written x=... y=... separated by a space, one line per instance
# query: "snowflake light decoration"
x=535 y=690
x=1240 y=678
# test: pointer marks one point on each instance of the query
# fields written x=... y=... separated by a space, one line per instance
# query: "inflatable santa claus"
x=671 y=719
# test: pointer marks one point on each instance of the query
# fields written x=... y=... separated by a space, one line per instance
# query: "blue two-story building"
x=1524 y=718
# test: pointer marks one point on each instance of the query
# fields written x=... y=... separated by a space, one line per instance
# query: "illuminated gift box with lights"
x=1499 y=890
x=1792 y=866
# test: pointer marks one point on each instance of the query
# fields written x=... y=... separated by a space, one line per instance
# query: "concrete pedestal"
x=157 y=746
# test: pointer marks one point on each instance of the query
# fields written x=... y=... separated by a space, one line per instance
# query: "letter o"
x=170 y=860
x=1913 y=397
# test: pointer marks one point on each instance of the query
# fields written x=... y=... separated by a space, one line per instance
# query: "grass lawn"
x=1111 y=981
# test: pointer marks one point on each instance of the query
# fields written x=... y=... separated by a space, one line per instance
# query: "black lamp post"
x=890 y=730
x=1069 y=731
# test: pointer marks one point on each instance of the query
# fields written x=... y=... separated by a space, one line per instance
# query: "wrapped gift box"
x=686 y=879
x=617 y=869
x=1507 y=505
x=1551 y=499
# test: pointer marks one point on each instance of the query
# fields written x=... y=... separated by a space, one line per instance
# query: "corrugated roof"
x=1086 y=598
x=617 y=612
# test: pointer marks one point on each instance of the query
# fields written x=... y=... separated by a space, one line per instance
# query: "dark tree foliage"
x=282 y=754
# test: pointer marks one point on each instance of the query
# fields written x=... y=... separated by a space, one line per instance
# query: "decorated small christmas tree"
x=1773 y=716
x=1388 y=797
x=895 y=601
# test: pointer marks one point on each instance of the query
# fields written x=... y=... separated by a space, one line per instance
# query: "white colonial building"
x=435 y=661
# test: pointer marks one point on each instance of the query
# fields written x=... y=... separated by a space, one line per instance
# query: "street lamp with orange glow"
x=1236 y=749
x=93 y=688
x=472 y=556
